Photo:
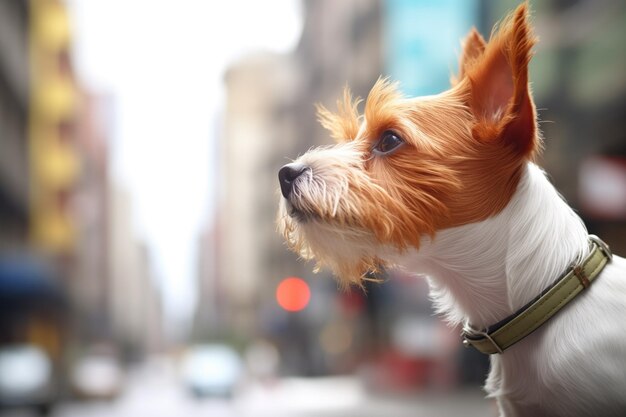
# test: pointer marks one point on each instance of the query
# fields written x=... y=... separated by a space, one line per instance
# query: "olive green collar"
x=498 y=337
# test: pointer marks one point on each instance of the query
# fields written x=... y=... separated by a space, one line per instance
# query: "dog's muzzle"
x=288 y=175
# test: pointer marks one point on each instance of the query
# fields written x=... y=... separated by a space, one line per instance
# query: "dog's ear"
x=499 y=94
x=473 y=46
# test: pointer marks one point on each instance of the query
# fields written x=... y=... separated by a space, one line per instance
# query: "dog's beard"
x=349 y=251
x=336 y=214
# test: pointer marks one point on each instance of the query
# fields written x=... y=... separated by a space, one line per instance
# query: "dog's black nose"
x=287 y=176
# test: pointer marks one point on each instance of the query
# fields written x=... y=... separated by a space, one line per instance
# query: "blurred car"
x=98 y=375
x=211 y=370
x=26 y=378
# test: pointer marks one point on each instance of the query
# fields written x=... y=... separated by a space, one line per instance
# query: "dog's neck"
x=485 y=271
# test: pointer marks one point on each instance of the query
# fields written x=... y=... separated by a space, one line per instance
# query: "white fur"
x=575 y=364
x=328 y=190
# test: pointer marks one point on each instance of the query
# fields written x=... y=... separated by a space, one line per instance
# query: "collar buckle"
x=606 y=250
x=469 y=334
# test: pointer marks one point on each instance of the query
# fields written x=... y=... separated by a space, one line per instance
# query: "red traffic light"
x=293 y=294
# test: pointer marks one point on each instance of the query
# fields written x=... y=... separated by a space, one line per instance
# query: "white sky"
x=162 y=62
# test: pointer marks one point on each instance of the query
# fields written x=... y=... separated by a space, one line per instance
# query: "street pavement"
x=155 y=393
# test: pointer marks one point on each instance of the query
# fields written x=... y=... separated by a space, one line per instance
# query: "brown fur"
x=473 y=47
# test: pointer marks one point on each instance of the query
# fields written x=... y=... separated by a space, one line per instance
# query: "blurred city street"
x=140 y=147
x=156 y=392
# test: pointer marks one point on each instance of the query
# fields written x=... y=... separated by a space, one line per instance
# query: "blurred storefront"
x=34 y=313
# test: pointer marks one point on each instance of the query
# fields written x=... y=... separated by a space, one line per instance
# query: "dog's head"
x=407 y=168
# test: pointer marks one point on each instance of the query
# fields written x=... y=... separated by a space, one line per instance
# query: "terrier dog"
x=445 y=186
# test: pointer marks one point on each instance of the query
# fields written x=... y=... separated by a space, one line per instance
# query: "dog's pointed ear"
x=473 y=46
x=499 y=94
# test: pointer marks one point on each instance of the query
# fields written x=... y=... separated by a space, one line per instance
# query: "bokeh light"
x=293 y=294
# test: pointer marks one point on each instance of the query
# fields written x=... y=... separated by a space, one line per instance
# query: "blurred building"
x=38 y=167
x=74 y=219
x=54 y=165
x=115 y=296
x=260 y=89
x=579 y=83
x=14 y=103
x=90 y=202
x=61 y=226
x=422 y=40
x=210 y=310
x=134 y=299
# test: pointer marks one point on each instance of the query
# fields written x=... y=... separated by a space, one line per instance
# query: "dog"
x=446 y=186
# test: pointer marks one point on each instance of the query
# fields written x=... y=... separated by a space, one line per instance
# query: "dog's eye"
x=387 y=143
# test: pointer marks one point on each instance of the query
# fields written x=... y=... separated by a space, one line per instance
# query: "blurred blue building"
x=422 y=41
